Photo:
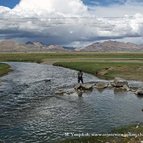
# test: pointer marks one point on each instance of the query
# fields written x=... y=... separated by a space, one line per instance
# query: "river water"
x=31 y=112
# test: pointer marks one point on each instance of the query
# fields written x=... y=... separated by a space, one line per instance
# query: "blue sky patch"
x=12 y=3
x=9 y=3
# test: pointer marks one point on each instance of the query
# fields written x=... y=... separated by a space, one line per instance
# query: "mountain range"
x=12 y=46
x=112 y=46
x=106 y=46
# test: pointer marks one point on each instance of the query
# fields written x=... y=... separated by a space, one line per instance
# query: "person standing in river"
x=80 y=76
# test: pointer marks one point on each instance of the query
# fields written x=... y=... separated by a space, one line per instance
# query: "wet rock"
x=119 y=82
x=121 y=90
x=110 y=85
x=77 y=86
x=126 y=87
x=101 y=85
x=139 y=92
x=85 y=86
x=70 y=91
x=60 y=92
x=133 y=89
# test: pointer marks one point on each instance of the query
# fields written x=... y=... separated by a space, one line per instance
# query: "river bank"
x=127 y=134
x=4 y=69
x=108 y=70
x=104 y=65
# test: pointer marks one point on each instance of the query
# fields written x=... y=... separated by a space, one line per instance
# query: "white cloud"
x=117 y=10
x=4 y=10
x=44 y=7
x=70 y=21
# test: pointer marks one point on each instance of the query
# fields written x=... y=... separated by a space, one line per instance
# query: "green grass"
x=126 y=65
x=4 y=69
x=134 y=132
x=135 y=128
x=108 y=70
x=40 y=57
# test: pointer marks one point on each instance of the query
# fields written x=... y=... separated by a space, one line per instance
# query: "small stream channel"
x=31 y=112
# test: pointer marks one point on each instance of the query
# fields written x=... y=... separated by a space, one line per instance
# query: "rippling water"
x=31 y=112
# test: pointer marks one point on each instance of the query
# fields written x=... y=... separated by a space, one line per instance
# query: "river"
x=31 y=112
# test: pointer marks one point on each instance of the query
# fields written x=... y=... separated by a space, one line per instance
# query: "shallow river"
x=31 y=112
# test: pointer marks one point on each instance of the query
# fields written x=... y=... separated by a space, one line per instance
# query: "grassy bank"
x=108 y=70
x=127 y=134
x=103 y=65
x=4 y=69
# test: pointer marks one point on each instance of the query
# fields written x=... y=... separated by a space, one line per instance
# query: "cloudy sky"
x=71 y=22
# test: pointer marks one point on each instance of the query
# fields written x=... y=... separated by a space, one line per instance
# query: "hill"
x=12 y=46
x=112 y=46
x=36 y=46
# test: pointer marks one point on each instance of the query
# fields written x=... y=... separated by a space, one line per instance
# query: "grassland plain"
x=71 y=56
x=103 y=65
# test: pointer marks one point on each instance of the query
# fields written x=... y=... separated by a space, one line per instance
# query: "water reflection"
x=140 y=96
x=79 y=93
x=100 y=90
x=120 y=92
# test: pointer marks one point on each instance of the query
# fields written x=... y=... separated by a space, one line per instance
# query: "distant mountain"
x=12 y=46
x=112 y=46
x=56 y=48
x=43 y=47
x=107 y=46
x=29 y=43
x=35 y=43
